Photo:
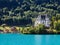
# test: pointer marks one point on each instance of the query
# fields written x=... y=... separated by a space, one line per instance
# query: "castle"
x=43 y=19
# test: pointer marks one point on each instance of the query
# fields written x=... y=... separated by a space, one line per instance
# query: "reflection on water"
x=19 y=39
x=38 y=40
x=47 y=39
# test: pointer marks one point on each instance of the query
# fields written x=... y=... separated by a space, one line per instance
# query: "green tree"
x=58 y=25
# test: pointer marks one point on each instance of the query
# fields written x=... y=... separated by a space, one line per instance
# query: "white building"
x=43 y=19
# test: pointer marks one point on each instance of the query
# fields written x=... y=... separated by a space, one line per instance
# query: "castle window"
x=43 y=17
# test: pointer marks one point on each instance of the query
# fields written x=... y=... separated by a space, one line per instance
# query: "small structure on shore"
x=14 y=30
x=43 y=19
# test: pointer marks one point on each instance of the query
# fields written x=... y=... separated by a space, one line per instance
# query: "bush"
x=37 y=29
x=58 y=25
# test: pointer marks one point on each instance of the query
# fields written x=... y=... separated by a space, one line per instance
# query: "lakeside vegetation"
x=21 y=15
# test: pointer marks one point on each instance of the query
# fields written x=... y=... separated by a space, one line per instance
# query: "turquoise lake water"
x=19 y=39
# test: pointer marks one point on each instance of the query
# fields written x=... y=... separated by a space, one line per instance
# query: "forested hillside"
x=19 y=11
x=23 y=13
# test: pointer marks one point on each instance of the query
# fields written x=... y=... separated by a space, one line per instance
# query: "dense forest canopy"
x=14 y=3
x=23 y=12
x=21 y=15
